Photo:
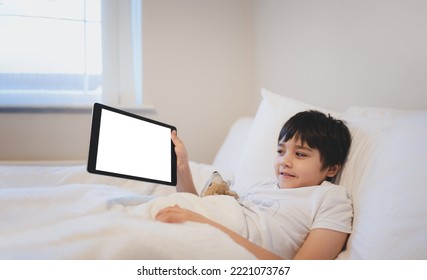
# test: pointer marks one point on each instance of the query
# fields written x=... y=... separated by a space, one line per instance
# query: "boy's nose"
x=286 y=162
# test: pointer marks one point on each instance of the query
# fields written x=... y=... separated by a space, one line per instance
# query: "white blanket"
x=220 y=208
x=45 y=217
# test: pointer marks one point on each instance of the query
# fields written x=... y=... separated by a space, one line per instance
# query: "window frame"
x=122 y=52
x=121 y=29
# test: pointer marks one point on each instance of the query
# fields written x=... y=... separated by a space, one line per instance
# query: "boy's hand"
x=185 y=180
x=180 y=151
x=176 y=214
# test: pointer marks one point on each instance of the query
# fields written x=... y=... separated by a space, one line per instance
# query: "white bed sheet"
x=63 y=212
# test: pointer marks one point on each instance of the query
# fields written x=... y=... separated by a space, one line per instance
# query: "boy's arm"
x=322 y=244
x=176 y=214
x=184 y=178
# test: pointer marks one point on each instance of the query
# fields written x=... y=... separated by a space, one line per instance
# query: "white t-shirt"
x=279 y=220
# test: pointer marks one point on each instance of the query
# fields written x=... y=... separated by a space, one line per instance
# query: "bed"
x=57 y=210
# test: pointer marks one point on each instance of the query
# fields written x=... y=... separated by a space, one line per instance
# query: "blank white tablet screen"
x=133 y=147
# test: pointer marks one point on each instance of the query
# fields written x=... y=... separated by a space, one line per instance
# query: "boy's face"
x=297 y=165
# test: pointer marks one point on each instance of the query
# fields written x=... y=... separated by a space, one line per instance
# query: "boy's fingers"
x=174 y=137
x=168 y=209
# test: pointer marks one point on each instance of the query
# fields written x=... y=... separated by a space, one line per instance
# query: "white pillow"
x=256 y=163
x=231 y=150
x=386 y=174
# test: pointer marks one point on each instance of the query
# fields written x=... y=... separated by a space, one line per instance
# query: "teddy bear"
x=217 y=186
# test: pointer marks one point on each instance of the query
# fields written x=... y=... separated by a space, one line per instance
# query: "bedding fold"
x=98 y=221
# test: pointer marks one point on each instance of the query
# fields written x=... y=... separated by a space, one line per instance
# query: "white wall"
x=200 y=75
x=339 y=53
x=198 y=67
x=35 y=136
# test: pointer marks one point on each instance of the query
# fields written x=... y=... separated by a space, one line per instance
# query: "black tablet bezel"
x=94 y=139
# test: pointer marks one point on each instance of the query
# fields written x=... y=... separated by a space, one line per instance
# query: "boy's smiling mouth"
x=286 y=174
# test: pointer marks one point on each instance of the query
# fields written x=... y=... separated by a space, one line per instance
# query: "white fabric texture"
x=45 y=214
x=222 y=209
x=280 y=219
x=386 y=175
x=231 y=150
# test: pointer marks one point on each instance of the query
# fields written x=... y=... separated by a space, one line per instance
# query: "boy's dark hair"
x=322 y=132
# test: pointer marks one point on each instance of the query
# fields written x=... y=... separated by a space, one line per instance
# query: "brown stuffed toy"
x=217 y=186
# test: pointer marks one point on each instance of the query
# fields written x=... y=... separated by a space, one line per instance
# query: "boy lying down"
x=298 y=215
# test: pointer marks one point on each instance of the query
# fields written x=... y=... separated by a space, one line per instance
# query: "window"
x=70 y=52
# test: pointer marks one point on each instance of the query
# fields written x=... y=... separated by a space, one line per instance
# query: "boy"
x=307 y=216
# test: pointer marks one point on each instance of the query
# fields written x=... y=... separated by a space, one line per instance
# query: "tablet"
x=130 y=146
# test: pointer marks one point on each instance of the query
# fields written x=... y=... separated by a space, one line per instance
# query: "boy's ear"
x=333 y=170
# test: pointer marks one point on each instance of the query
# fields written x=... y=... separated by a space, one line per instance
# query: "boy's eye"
x=280 y=151
x=299 y=154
